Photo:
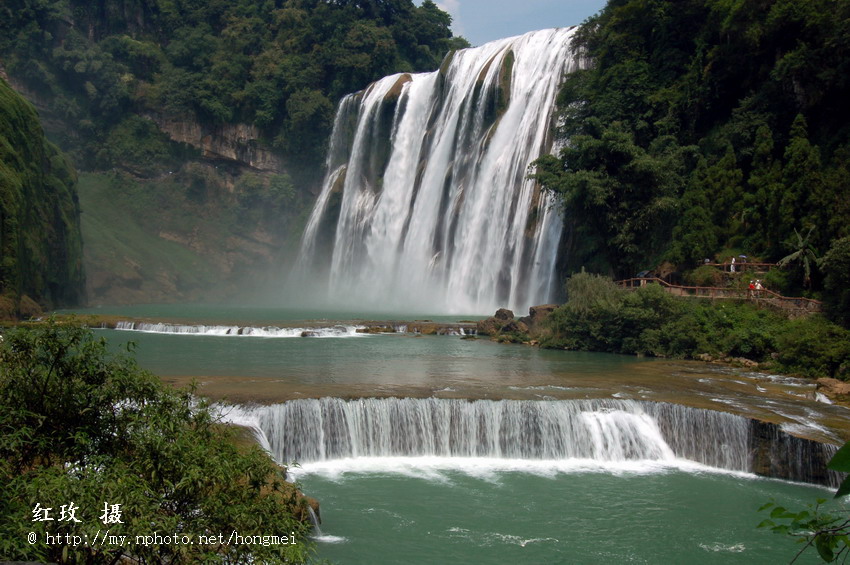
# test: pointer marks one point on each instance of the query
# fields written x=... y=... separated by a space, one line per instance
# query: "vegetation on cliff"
x=40 y=241
x=217 y=113
x=280 y=66
x=706 y=129
x=92 y=443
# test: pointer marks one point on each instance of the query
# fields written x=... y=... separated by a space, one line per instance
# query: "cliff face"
x=40 y=238
x=237 y=143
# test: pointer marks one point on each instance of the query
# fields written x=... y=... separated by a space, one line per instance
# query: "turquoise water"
x=371 y=358
x=497 y=511
x=664 y=517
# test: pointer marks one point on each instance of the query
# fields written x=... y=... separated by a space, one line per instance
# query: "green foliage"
x=137 y=145
x=704 y=125
x=835 y=265
x=621 y=193
x=815 y=347
x=40 y=241
x=599 y=316
x=278 y=65
x=83 y=427
x=804 y=256
x=827 y=531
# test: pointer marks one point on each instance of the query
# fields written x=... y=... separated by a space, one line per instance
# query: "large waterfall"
x=427 y=204
x=603 y=431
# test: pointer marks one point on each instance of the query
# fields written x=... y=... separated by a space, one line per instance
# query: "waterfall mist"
x=427 y=205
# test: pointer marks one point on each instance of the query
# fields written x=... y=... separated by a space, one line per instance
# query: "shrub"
x=85 y=429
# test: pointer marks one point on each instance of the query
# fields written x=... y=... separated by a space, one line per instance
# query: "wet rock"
x=537 y=316
x=774 y=453
x=503 y=314
x=744 y=362
x=515 y=326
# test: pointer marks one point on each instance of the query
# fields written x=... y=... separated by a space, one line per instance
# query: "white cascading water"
x=598 y=430
x=427 y=205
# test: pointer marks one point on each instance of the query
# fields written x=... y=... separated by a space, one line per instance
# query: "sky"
x=480 y=21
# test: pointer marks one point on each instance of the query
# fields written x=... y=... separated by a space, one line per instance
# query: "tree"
x=86 y=430
x=625 y=195
x=835 y=265
x=804 y=255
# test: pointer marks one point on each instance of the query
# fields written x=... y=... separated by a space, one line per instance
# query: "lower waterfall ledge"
x=609 y=431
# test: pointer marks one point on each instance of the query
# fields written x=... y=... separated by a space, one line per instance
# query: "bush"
x=836 y=267
x=86 y=430
x=601 y=317
x=814 y=347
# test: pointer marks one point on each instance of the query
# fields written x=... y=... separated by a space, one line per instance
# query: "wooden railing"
x=743 y=266
x=768 y=297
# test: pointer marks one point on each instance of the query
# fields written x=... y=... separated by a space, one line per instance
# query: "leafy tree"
x=214 y=62
x=725 y=77
x=804 y=256
x=85 y=428
x=625 y=194
x=835 y=265
x=695 y=235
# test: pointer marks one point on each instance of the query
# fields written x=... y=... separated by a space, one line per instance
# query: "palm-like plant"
x=804 y=254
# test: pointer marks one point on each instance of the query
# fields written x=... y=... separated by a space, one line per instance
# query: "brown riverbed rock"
x=494 y=324
x=537 y=316
x=834 y=387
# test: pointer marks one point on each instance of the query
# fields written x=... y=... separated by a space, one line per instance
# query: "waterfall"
x=602 y=430
x=426 y=204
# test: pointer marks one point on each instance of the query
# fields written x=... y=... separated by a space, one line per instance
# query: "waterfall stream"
x=603 y=431
x=427 y=204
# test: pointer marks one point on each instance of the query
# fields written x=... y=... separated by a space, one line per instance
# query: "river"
x=419 y=506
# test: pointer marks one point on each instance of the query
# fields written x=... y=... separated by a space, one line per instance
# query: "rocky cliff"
x=236 y=143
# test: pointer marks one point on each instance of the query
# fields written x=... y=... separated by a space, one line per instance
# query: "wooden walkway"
x=742 y=267
x=794 y=306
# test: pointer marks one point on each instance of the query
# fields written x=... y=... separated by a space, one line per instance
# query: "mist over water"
x=427 y=203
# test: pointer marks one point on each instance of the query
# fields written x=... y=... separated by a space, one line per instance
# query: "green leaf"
x=765 y=506
x=778 y=512
x=766 y=524
x=841 y=460
x=824 y=547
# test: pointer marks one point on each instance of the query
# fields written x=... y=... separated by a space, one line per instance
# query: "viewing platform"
x=792 y=305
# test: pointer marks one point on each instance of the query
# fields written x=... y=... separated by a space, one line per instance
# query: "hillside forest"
x=698 y=130
x=709 y=130
x=199 y=128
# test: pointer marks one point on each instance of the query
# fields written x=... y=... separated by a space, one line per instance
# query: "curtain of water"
x=427 y=202
x=601 y=430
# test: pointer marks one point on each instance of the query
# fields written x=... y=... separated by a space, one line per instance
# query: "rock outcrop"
x=503 y=326
x=238 y=143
